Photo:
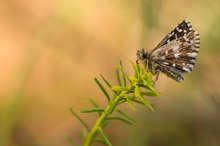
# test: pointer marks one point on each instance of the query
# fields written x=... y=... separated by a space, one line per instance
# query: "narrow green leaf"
x=103 y=89
x=146 y=103
x=136 y=71
x=138 y=101
x=118 y=77
x=130 y=102
x=92 y=110
x=138 y=95
x=70 y=140
x=100 y=141
x=107 y=83
x=133 y=65
x=85 y=134
x=124 y=114
x=122 y=101
x=137 y=91
x=121 y=119
x=133 y=80
x=148 y=80
x=148 y=77
x=108 y=143
x=123 y=73
x=214 y=98
x=149 y=87
x=150 y=93
x=94 y=103
x=119 y=88
x=125 y=76
x=135 y=99
x=142 y=70
x=82 y=122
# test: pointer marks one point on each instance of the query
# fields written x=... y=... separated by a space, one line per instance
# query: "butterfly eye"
x=144 y=55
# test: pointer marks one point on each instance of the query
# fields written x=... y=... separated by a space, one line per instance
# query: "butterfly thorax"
x=147 y=60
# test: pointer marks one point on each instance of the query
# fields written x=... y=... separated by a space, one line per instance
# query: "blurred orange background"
x=50 y=51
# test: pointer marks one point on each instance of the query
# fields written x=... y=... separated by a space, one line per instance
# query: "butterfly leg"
x=146 y=65
x=156 y=71
x=157 y=76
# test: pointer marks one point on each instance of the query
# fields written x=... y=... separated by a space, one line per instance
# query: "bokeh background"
x=50 y=51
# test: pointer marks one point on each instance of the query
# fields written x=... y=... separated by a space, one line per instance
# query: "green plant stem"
x=99 y=123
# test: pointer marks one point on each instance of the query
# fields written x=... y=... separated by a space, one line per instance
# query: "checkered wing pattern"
x=175 y=54
x=183 y=28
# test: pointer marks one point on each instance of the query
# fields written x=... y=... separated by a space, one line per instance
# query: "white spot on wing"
x=177 y=55
x=194 y=54
x=176 y=49
x=176 y=36
x=179 y=30
x=191 y=66
x=193 y=60
x=186 y=69
x=186 y=21
x=197 y=45
x=165 y=63
x=189 y=25
x=197 y=41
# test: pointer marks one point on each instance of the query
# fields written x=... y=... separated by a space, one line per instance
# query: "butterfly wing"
x=178 y=56
x=171 y=72
x=183 y=28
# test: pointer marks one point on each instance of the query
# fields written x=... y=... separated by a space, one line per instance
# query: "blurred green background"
x=50 y=51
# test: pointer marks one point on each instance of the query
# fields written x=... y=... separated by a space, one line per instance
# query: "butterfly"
x=175 y=54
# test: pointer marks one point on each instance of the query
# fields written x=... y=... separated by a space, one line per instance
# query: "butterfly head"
x=142 y=55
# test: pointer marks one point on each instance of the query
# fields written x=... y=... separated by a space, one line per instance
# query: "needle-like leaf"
x=108 y=143
x=118 y=77
x=123 y=74
x=107 y=83
x=121 y=119
x=125 y=115
x=92 y=110
x=82 y=122
x=103 y=89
